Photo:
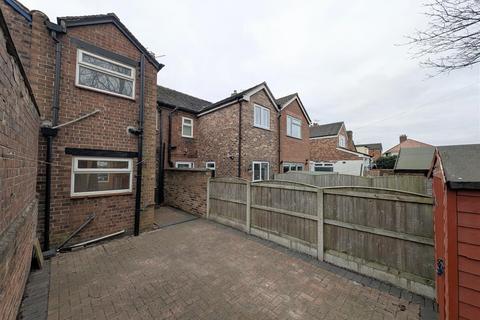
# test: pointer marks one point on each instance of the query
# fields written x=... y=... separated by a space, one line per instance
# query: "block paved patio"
x=203 y=270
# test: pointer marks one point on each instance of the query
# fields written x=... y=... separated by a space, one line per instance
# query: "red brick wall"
x=186 y=189
x=19 y=125
x=106 y=130
x=293 y=149
x=185 y=148
x=325 y=149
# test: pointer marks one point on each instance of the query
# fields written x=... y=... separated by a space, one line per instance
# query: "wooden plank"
x=320 y=225
x=414 y=199
x=287 y=212
x=381 y=232
x=279 y=186
x=227 y=200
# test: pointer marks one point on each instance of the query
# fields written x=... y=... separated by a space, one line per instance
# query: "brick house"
x=374 y=150
x=95 y=85
x=249 y=134
x=405 y=142
x=332 y=150
x=19 y=127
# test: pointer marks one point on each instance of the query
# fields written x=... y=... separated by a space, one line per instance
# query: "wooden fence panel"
x=228 y=199
x=416 y=184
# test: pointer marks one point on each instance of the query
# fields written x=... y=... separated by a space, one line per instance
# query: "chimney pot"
x=403 y=138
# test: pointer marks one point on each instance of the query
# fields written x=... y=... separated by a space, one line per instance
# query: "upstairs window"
x=101 y=176
x=261 y=117
x=187 y=127
x=294 y=127
x=101 y=74
x=341 y=141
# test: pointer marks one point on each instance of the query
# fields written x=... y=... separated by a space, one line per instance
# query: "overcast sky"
x=342 y=57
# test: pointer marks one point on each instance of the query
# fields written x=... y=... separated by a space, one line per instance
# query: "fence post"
x=208 y=198
x=247 y=219
x=320 y=196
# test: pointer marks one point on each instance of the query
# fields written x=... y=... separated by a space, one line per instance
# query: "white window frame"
x=190 y=164
x=260 y=163
x=100 y=69
x=191 y=126
x=342 y=141
x=259 y=123
x=292 y=164
x=76 y=169
x=210 y=162
x=290 y=123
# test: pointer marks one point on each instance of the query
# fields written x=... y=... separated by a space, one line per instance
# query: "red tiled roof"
x=409 y=143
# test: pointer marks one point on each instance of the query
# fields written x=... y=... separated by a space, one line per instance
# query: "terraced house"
x=95 y=86
x=249 y=134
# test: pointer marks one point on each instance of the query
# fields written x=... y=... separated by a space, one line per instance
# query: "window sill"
x=82 y=196
x=288 y=136
x=187 y=137
x=266 y=129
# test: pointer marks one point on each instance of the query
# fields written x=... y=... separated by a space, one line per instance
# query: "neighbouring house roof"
x=78 y=21
x=409 y=143
x=371 y=146
x=415 y=159
x=175 y=99
x=360 y=154
x=461 y=165
x=330 y=129
x=243 y=95
x=285 y=101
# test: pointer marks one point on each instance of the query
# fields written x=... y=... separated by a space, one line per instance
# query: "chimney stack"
x=403 y=138
x=233 y=93
x=350 y=136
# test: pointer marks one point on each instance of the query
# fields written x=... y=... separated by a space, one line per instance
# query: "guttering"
x=239 y=172
x=138 y=188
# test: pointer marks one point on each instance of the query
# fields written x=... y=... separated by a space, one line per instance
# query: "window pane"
x=264 y=171
x=256 y=171
x=286 y=168
x=257 y=116
x=89 y=182
x=106 y=65
x=99 y=80
x=289 y=125
x=99 y=164
x=296 y=131
x=265 y=118
x=187 y=131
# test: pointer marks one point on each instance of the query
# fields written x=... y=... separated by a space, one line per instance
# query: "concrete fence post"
x=248 y=208
x=320 y=199
x=208 y=197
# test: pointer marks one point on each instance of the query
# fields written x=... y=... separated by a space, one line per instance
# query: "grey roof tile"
x=329 y=129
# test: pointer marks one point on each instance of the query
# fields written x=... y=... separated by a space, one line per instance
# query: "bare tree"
x=452 y=39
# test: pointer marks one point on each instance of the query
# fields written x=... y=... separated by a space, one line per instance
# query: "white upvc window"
x=292 y=167
x=100 y=176
x=261 y=117
x=342 y=141
x=187 y=127
x=101 y=74
x=321 y=166
x=294 y=127
x=184 y=165
x=260 y=170
x=210 y=165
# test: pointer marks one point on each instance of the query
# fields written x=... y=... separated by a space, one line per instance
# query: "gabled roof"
x=415 y=159
x=77 y=21
x=285 y=101
x=243 y=95
x=461 y=165
x=409 y=143
x=371 y=146
x=324 y=130
x=360 y=154
x=175 y=99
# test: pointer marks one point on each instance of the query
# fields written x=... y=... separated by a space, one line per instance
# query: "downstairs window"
x=100 y=176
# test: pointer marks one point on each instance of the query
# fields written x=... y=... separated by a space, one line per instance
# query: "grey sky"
x=340 y=56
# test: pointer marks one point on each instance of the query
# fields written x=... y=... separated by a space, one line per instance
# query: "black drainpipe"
x=169 y=147
x=160 y=158
x=49 y=134
x=239 y=174
x=138 y=195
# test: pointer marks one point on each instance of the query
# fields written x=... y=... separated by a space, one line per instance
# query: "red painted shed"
x=456 y=189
